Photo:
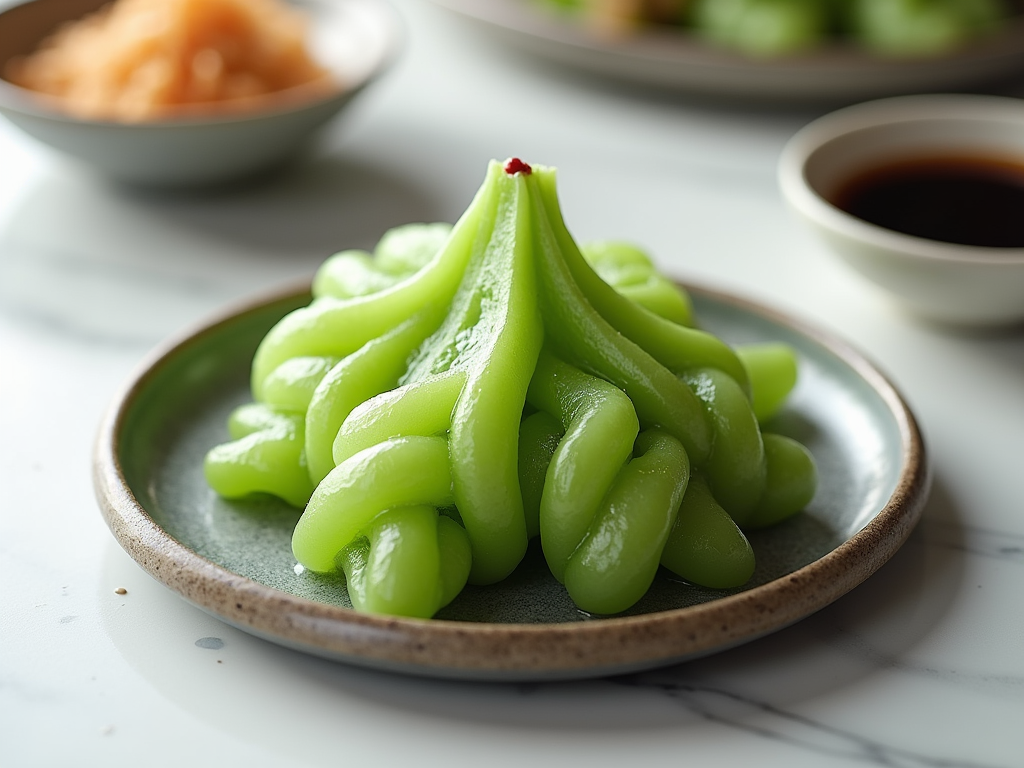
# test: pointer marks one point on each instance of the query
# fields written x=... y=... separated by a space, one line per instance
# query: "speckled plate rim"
x=496 y=652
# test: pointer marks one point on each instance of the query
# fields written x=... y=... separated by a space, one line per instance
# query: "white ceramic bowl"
x=941 y=281
x=355 y=39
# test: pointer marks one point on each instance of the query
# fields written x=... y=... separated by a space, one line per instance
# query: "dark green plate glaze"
x=233 y=558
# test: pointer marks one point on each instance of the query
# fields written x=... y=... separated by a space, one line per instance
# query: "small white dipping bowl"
x=959 y=284
x=354 y=39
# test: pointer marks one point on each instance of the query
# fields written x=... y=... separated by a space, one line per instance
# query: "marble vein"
x=767 y=721
x=976 y=540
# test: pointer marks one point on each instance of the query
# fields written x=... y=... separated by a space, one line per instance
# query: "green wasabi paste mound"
x=466 y=388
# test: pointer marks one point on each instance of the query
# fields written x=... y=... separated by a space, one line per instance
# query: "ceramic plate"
x=677 y=60
x=233 y=558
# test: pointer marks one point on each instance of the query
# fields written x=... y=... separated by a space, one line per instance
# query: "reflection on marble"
x=766 y=690
x=129 y=267
x=811 y=736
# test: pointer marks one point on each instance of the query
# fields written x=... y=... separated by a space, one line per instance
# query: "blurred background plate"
x=670 y=58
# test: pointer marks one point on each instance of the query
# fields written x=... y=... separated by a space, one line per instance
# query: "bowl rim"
x=878 y=114
x=293 y=100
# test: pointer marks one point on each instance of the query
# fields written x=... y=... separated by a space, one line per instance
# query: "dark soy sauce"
x=955 y=199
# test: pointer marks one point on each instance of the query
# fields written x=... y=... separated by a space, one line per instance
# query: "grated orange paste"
x=137 y=60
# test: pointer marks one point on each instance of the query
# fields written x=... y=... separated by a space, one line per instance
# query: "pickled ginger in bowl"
x=186 y=92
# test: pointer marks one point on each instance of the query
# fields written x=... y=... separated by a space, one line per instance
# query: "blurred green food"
x=763 y=27
x=766 y=28
x=921 y=27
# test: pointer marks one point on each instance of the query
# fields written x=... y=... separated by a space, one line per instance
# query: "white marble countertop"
x=922 y=665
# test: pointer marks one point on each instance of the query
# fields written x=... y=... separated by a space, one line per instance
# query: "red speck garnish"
x=515 y=165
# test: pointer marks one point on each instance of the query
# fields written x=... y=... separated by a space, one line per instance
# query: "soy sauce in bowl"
x=943 y=178
x=960 y=199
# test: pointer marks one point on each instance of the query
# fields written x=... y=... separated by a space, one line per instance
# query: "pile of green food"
x=780 y=27
x=464 y=389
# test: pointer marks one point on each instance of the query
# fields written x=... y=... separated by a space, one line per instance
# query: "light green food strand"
x=401 y=252
x=409 y=562
x=663 y=298
x=256 y=417
x=503 y=353
x=600 y=427
x=459 y=337
x=349 y=274
x=424 y=408
x=338 y=327
x=539 y=436
x=373 y=368
x=410 y=247
x=705 y=546
x=792 y=480
x=404 y=471
x=265 y=456
x=676 y=347
x=290 y=386
x=916 y=28
x=616 y=562
x=631 y=272
x=588 y=341
x=456 y=558
x=736 y=468
x=773 y=372
x=492 y=333
x=395 y=568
